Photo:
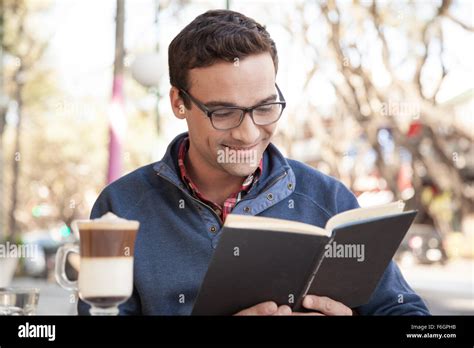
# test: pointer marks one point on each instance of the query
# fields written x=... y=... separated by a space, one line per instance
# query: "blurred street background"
x=379 y=95
x=447 y=290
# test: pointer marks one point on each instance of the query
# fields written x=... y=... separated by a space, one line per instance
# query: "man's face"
x=250 y=82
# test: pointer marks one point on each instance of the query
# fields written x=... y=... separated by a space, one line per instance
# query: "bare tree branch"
x=457 y=21
x=444 y=71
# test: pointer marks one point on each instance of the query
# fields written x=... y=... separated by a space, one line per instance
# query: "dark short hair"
x=212 y=36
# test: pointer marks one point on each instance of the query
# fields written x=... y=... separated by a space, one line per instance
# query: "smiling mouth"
x=239 y=148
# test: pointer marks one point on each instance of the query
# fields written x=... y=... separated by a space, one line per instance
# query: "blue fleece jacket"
x=178 y=233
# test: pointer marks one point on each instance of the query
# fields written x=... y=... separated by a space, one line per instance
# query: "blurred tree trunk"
x=3 y=113
x=117 y=118
x=12 y=226
x=27 y=51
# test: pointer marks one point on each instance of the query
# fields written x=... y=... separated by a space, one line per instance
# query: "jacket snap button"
x=290 y=186
x=247 y=209
x=270 y=196
x=213 y=229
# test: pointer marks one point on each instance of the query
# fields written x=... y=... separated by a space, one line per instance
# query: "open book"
x=262 y=259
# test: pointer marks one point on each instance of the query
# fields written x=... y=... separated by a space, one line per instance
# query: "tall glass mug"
x=106 y=247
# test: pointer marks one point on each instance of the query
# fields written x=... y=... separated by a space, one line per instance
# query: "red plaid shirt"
x=232 y=200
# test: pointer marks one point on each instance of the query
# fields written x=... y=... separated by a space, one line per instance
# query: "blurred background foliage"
x=379 y=95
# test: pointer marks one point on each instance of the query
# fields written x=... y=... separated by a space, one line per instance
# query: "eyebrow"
x=224 y=103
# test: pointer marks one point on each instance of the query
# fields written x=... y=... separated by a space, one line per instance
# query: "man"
x=221 y=61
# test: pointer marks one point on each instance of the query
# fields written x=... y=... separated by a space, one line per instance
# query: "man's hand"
x=320 y=304
x=324 y=306
x=266 y=308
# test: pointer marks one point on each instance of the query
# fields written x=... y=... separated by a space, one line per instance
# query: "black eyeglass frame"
x=244 y=110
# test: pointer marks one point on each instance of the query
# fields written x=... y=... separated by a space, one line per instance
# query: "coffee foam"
x=108 y=221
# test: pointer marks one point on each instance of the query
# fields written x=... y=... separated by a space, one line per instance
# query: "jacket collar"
x=275 y=166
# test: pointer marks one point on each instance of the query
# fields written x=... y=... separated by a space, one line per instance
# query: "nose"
x=247 y=132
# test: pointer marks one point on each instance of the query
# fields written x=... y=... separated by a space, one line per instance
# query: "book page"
x=359 y=214
x=272 y=224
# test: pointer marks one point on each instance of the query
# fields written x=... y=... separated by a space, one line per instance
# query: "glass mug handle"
x=60 y=269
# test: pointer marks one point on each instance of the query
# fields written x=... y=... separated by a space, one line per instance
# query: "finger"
x=264 y=308
x=283 y=310
x=326 y=305
x=306 y=314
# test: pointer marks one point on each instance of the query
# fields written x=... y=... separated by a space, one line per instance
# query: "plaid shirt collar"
x=232 y=200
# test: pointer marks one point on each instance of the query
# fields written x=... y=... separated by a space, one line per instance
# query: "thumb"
x=264 y=308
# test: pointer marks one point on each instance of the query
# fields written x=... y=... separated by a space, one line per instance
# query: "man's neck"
x=213 y=184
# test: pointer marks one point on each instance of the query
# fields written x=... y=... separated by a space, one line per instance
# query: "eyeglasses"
x=225 y=118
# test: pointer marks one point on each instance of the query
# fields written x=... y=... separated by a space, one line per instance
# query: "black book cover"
x=253 y=265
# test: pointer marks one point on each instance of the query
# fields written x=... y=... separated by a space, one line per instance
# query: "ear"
x=177 y=104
